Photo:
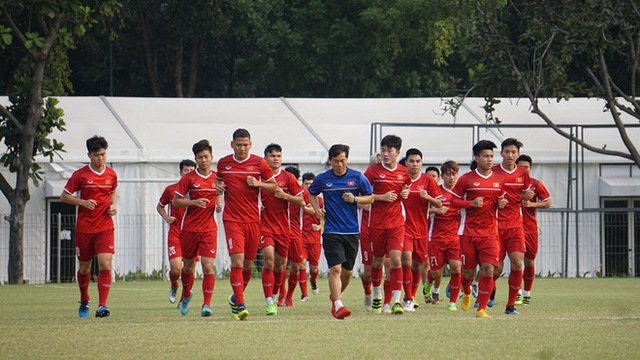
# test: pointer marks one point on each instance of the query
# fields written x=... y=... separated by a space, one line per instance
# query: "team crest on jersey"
x=251 y=168
x=519 y=180
x=476 y=184
x=108 y=182
x=196 y=185
x=400 y=177
x=420 y=187
x=351 y=183
x=382 y=176
x=496 y=184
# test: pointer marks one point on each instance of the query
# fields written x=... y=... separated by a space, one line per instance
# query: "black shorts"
x=341 y=249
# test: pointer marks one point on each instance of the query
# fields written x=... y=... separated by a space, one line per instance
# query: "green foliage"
x=138 y=275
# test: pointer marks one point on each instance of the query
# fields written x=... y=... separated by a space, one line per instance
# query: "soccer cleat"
x=386 y=309
x=179 y=305
x=172 y=294
x=234 y=307
x=342 y=313
x=397 y=309
x=184 y=307
x=447 y=291
x=281 y=300
x=103 y=311
x=491 y=303
x=452 y=307
x=376 y=305
x=408 y=305
x=482 y=314
x=465 y=303
x=426 y=290
x=288 y=302
x=518 y=299
x=435 y=299
x=526 y=300
x=368 y=302
x=415 y=303
x=474 y=290
x=511 y=310
x=315 y=289
x=243 y=313
x=428 y=299
x=271 y=309
x=83 y=310
x=304 y=298
x=476 y=304
x=206 y=311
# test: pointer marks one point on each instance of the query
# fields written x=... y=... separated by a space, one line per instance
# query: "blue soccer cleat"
x=184 y=307
x=103 y=311
x=83 y=310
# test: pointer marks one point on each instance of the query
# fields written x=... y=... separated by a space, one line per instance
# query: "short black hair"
x=391 y=141
x=403 y=161
x=308 y=176
x=187 y=162
x=509 y=142
x=200 y=146
x=271 y=148
x=432 y=168
x=337 y=149
x=526 y=158
x=241 y=133
x=96 y=143
x=413 y=151
x=293 y=170
x=483 y=145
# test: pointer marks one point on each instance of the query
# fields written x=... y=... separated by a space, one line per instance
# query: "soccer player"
x=173 y=217
x=241 y=177
x=516 y=182
x=479 y=192
x=343 y=189
x=540 y=200
x=96 y=185
x=424 y=191
x=274 y=226
x=365 y=246
x=391 y=182
x=196 y=191
x=444 y=242
x=311 y=236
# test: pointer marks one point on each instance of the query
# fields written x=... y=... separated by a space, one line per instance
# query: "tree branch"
x=19 y=35
x=13 y=119
x=6 y=189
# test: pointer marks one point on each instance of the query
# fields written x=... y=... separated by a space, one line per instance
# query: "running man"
x=311 y=236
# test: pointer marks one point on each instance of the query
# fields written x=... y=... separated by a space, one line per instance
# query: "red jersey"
x=99 y=187
x=529 y=214
x=417 y=208
x=165 y=200
x=311 y=236
x=274 y=217
x=387 y=215
x=479 y=222
x=444 y=228
x=194 y=186
x=513 y=182
x=240 y=199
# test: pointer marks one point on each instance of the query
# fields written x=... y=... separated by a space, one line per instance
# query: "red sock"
x=466 y=285
x=246 y=277
x=484 y=291
x=267 y=282
x=396 y=279
x=283 y=278
x=208 y=283
x=415 y=275
x=277 y=280
x=313 y=275
x=302 y=279
x=407 y=282
x=104 y=285
x=529 y=275
x=293 y=281
x=174 y=279
x=387 y=292
x=83 y=285
x=515 y=280
x=429 y=277
x=376 y=276
x=454 y=287
x=366 y=285
x=187 y=283
x=237 y=284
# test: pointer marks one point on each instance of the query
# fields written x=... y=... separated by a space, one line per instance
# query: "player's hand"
x=218 y=208
x=348 y=197
x=442 y=210
x=528 y=194
x=112 y=210
x=527 y=203
x=502 y=202
x=316 y=227
x=169 y=219
x=425 y=195
x=253 y=182
x=279 y=193
x=220 y=186
x=89 y=204
x=477 y=202
x=201 y=203
x=390 y=196
x=405 y=191
x=320 y=213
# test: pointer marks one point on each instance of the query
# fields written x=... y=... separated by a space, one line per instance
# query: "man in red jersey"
x=196 y=191
x=444 y=242
x=479 y=193
x=173 y=217
x=540 y=200
x=424 y=192
x=96 y=201
x=241 y=177
x=516 y=183
x=311 y=237
x=390 y=182
x=274 y=226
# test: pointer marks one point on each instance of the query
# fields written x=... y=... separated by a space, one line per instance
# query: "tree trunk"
x=177 y=71
x=148 y=53
x=16 y=249
x=196 y=48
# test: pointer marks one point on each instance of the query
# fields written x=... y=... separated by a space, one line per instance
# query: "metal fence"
x=572 y=243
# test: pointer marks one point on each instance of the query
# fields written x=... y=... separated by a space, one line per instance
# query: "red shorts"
x=419 y=249
x=477 y=250
x=365 y=246
x=442 y=251
x=280 y=243
x=242 y=238
x=174 y=249
x=90 y=245
x=296 y=250
x=204 y=244
x=511 y=240
x=312 y=252
x=385 y=240
x=531 y=242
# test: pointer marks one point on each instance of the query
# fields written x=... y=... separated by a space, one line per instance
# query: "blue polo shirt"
x=341 y=217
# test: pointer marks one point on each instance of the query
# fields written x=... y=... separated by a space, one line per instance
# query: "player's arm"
x=433 y=202
x=113 y=197
x=180 y=201
x=163 y=213
x=219 y=203
x=537 y=204
x=313 y=200
x=270 y=185
x=71 y=199
x=294 y=199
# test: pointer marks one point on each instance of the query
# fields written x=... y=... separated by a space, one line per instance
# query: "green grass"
x=570 y=318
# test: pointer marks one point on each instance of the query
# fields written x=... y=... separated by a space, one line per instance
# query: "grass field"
x=569 y=318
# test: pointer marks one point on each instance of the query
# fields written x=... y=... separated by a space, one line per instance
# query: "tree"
x=40 y=34
x=557 y=49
